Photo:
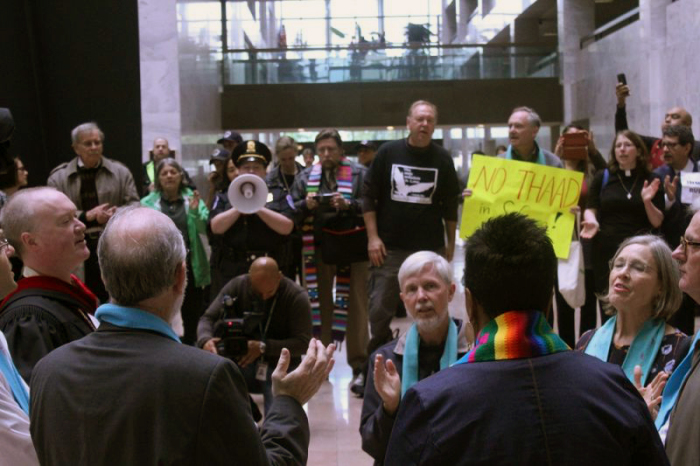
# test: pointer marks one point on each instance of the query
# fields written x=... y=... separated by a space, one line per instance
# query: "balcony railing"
x=358 y=63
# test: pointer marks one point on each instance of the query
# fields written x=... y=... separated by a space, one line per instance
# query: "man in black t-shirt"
x=410 y=201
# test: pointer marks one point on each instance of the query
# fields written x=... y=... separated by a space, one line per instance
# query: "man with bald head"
x=50 y=306
x=674 y=116
x=130 y=393
x=161 y=150
x=276 y=314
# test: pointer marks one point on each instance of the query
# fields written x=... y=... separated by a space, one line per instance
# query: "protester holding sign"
x=499 y=186
x=624 y=200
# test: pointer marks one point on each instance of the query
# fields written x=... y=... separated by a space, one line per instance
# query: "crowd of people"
x=139 y=320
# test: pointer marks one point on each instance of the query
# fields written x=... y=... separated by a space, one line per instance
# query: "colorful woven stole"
x=515 y=335
x=342 y=276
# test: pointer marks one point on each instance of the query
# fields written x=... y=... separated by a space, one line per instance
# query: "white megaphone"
x=247 y=193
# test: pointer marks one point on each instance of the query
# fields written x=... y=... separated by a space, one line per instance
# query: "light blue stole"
x=131 y=317
x=14 y=380
x=643 y=349
x=410 y=357
x=540 y=155
x=673 y=386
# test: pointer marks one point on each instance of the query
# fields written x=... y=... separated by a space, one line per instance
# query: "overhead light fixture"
x=390 y=128
x=301 y=130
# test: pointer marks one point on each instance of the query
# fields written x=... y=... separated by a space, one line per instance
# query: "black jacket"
x=36 y=321
x=127 y=396
x=566 y=408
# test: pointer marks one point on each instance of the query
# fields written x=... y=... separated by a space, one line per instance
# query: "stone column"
x=160 y=76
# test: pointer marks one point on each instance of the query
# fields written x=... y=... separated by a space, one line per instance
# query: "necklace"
x=284 y=179
x=628 y=191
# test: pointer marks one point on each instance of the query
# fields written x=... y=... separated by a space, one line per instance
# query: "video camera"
x=235 y=332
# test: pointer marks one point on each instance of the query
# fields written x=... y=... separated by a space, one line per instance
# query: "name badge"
x=261 y=371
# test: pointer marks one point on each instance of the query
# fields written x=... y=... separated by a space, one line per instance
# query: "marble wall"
x=160 y=76
x=656 y=53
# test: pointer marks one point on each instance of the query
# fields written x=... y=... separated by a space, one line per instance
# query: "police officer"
x=243 y=238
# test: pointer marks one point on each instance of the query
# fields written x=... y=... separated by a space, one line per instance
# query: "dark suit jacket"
x=122 y=396
x=678 y=217
x=567 y=408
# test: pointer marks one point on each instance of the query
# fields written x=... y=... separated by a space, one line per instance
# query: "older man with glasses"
x=678 y=419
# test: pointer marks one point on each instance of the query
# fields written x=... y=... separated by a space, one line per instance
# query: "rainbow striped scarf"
x=342 y=280
x=515 y=335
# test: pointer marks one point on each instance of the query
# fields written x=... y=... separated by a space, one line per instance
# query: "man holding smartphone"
x=674 y=116
x=327 y=194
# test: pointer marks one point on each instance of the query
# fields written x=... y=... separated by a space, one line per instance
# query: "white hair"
x=418 y=260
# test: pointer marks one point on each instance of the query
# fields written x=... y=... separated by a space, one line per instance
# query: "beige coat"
x=115 y=184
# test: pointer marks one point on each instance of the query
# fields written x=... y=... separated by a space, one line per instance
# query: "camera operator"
x=254 y=316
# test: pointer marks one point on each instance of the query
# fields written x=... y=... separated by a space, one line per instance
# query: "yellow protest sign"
x=546 y=194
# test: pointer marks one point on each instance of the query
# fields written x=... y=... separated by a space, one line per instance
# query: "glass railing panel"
x=364 y=64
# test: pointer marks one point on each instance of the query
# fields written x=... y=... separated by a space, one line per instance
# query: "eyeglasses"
x=669 y=145
x=685 y=243
x=4 y=244
x=634 y=266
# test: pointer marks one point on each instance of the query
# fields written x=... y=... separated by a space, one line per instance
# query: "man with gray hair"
x=433 y=342
x=130 y=393
x=523 y=125
x=50 y=306
x=97 y=186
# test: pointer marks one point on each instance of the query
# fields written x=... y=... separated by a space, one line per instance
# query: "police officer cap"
x=219 y=154
x=251 y=151
x=230 y=136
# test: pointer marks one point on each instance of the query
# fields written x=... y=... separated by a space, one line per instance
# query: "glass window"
x=499 y=132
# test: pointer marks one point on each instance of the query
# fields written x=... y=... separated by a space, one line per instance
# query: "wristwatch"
x=262 y=346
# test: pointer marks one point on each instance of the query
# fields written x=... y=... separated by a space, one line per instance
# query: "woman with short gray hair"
x=190 y=215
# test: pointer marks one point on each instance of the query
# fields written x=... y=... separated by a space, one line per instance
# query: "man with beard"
x=324 y=194
x=432 y=343
x=520 y=395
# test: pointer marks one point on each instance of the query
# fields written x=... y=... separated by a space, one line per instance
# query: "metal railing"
x=425 y=62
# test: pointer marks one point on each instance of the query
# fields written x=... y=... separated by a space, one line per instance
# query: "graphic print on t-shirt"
x=413 y=184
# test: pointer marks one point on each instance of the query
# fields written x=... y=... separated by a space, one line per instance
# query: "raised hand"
x=387 y=382
x=622 y=91
x=671 y=188
x=652 y=392
x=589 y=228
x=649 y=190
x=303 y=382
